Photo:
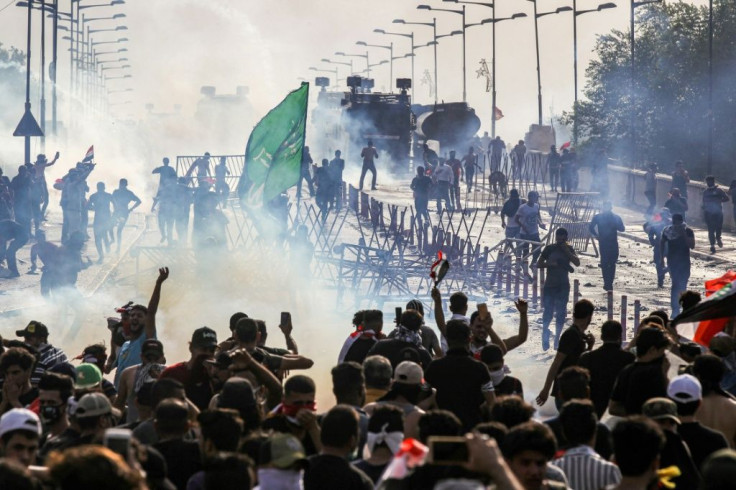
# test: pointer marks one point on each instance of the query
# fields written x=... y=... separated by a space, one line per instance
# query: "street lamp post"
x=461 y=12
x=493 y=22
x=433 y=25
x=356 y=55
x=411 y=38
x=390 y=47
x=325 y=70
x=577 y=12
x=325 y=60
x=536 y=41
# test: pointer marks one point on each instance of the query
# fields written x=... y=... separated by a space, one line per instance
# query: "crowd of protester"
x=414 y=407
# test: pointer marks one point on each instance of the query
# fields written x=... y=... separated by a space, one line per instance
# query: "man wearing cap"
x=142 y=328
x=36 y=334
x=281 y=463
x=193 y=373
x=675 y=452
x=20 y=432
x=94 y=415
x=131 y=380
x=686 y=392
x=463 y=384
x=643 y=379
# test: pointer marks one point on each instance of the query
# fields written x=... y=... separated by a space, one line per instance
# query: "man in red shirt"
x=193 y=373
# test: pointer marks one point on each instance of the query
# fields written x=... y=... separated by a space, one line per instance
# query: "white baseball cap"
x=20 y=419
x=685 y=388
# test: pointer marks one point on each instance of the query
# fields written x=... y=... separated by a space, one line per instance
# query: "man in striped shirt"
x=36 y=334
x=584 y=468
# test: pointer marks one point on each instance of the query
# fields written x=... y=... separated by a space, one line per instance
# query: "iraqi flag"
x=90 y=155
x=439 y=268
x=565 y=145
x=701 y=322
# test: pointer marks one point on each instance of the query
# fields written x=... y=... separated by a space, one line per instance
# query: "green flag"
x=273 y=155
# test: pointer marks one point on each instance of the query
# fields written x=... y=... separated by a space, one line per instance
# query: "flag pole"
x=299 y=191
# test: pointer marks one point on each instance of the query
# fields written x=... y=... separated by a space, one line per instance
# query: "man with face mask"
x=296 y=415
x=282 y=462
x=142 y=328
x=492 y=356
x=54 y=391
x=193 y=373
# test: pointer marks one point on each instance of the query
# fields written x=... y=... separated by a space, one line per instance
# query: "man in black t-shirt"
x=463 y=384
x=556 y=258
x=677 y=241
x=604 y=365
x=121 y=199
x=420 y=185
x=643 y=379
x=369 y=155
x=572 y=344
x=605 y=227
x=330 y=469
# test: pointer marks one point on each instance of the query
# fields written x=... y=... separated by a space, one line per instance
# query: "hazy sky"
x=176 y=46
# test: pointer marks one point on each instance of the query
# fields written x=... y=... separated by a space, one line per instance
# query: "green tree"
x=12 y=86
x=669 y=100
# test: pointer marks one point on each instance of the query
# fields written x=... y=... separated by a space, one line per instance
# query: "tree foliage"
x=669 y=100
x=12 y=86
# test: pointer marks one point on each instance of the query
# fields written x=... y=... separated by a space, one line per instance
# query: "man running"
x=121 y=199
x=101 y=203
x=605 y=227
x=713 y=199
x=369 y=154
x=677 y=241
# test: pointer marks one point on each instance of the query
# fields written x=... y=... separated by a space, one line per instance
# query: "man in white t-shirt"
x=529 y=220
